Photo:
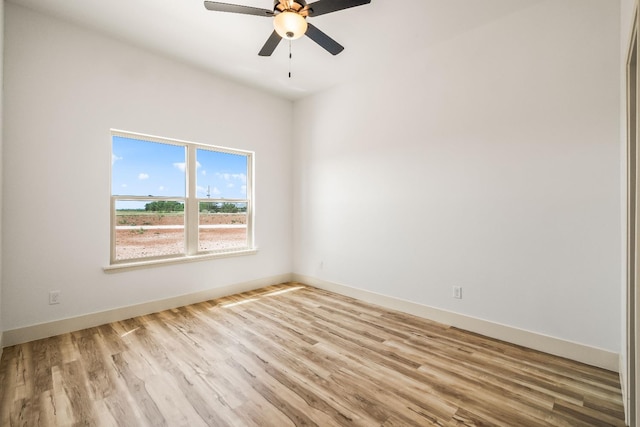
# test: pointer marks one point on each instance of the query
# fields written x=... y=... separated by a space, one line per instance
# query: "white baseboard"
x=49 y=329
x=571 y=350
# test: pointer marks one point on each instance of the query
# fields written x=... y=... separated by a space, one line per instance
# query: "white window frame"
x=191 y=206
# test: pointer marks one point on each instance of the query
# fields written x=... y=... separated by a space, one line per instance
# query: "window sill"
x=126 y=266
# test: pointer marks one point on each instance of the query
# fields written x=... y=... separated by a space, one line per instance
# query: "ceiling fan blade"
x=329 y=44
x=270 y=45
x=322 y=7
x=236 y=8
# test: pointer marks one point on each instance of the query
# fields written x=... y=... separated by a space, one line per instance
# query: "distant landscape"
x=143 y=234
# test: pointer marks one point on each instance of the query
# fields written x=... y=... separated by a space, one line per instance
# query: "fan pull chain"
x=289 y=58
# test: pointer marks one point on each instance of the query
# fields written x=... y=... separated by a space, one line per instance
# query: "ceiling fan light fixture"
x=290 y=25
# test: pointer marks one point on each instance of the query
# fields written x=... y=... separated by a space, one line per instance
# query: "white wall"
x=65 y=87
x=490 y=162
x=497 y=151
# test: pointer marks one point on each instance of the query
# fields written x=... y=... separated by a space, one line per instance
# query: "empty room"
x=331 y=213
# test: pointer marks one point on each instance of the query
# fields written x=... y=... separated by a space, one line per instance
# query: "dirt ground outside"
x=143 y=235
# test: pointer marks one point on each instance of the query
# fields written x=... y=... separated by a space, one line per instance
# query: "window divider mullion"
x=192 y=205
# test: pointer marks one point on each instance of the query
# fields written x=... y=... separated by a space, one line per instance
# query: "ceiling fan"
x=290 y=20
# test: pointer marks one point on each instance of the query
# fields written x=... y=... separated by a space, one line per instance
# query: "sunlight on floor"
x=127 y=333
x=282 y=291
x=232 y=304
x=256 y=298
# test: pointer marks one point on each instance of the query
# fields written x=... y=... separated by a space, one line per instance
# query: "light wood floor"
x=294 y=355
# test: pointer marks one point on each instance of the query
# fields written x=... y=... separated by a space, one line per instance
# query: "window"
x=175 y=199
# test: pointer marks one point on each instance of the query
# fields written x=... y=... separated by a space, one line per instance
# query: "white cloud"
x=230 y=185
x=229 y=176
x=161 y=188
x=204 y=172
x=243 y=188
x=202 y=191
x=143 y=176
x=124 y=185
x=114 y=158
x=240 y=176
x=183 y=166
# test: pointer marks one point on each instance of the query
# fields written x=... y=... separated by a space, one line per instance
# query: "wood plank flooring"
x=294 y=355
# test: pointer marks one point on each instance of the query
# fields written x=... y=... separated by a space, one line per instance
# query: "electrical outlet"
x=54 y=297
x=457 y=292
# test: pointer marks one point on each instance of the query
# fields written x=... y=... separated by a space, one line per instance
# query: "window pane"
x=144 y=168
x=150 y=228
x=221 y=175
x=222 y=226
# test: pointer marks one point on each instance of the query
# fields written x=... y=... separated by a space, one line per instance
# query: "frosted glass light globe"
x=290 y=25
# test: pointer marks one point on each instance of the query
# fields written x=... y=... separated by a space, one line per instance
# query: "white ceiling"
x=374 y=36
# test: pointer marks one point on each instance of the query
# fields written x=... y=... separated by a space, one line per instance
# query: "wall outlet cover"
x=54 y=297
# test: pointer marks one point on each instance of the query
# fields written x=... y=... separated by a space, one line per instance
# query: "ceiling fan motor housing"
x=288 y=5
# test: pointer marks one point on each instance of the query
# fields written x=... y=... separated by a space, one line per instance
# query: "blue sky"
x=142 y=168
